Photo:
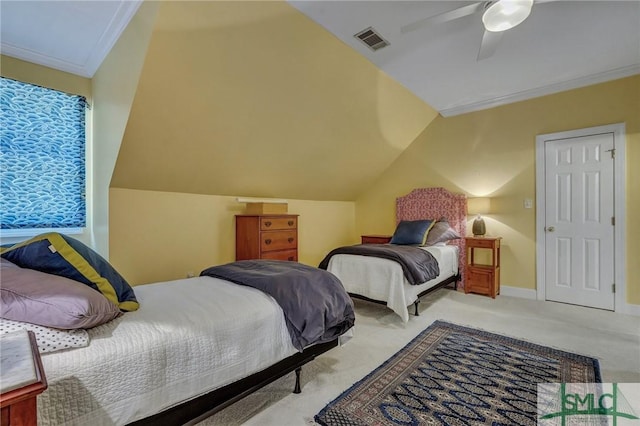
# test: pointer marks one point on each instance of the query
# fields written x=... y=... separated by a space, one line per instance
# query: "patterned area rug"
x=455 y=375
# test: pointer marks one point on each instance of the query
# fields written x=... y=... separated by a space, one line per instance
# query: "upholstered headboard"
x=434 y=203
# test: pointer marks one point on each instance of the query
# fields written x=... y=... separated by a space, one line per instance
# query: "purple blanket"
x=419 y=266
x=316 y=306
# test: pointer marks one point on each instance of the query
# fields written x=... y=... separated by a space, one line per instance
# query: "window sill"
x=12 y=236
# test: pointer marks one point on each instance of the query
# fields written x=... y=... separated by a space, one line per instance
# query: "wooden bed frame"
x=434 y=203
x=197 y=409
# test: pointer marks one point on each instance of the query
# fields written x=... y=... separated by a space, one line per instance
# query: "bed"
x=383 y=280
x=189 y=349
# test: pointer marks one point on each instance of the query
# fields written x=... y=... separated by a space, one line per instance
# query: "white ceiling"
x=562 y=45
x=72 y=36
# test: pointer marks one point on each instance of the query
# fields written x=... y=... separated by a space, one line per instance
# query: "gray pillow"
x=441 y=232
x=49 y=300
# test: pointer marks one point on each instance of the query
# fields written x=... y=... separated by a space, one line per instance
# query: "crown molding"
x=543 y=91
x=125 y=11
x=34 y=57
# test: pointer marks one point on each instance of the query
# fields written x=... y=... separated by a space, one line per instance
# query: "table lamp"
x=478 y=206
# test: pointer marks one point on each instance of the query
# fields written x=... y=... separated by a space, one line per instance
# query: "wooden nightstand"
x=482 y=278
x=22 y=378
x=375 y=239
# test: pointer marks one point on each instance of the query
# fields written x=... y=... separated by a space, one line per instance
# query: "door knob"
x=550 y=229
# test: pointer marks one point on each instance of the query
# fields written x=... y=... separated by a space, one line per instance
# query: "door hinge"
x=613 y=220
x=613 y=288
x=612 y=151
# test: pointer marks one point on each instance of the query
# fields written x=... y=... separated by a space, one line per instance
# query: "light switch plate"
x=528 y=203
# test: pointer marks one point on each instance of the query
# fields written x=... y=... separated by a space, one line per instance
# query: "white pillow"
x=48 y=339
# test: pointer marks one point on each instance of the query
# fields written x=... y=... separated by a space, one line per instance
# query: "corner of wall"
x=114 y=87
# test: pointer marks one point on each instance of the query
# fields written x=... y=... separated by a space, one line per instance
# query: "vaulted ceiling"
x=278 y=99
x=561 y=45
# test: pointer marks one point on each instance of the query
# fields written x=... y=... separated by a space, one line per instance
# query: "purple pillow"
x=49 y=300
x=441 y=232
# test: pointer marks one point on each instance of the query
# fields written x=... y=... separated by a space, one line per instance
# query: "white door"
x=579 y=220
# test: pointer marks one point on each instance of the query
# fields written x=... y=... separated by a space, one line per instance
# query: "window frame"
x=11 y=236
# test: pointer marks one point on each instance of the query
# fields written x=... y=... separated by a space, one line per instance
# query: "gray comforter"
x=316 y=306
x=419 y=266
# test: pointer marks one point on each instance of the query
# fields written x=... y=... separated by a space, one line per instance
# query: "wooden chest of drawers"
x=267 y=237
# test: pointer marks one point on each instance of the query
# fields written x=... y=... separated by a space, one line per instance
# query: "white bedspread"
x=188 y=337
x=383 y=279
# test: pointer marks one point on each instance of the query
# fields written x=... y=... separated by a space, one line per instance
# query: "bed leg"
x=415 y=304
x=296 y=388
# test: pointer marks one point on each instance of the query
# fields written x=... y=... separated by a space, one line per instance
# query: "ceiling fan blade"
x=490 y=42
x=443 y=17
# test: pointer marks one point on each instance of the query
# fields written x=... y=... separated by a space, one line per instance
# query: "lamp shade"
x=506 y=14
x=480 y=205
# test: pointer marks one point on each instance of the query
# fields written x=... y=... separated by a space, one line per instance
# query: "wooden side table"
x=22 y=378
x=375 y=239
x=482 y=278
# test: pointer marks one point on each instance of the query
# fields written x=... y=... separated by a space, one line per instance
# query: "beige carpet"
x=612 y=338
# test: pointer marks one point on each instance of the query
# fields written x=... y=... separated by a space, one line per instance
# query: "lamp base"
x=478 y=227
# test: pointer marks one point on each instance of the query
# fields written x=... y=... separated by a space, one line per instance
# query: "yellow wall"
x=492 y=153
x=259 y=92
x=222 y=109
x=114 y=86
x=158 y=236
x=44 y=76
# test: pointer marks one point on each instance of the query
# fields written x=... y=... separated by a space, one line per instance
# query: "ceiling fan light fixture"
x=506 y=14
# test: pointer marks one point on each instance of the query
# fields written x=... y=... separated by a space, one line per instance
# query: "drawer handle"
x=290 y=258
x=267 y=241
x=290 y=223
x=267 y=223
x=290 y=239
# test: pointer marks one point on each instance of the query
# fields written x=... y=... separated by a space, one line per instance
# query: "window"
x=42 y=158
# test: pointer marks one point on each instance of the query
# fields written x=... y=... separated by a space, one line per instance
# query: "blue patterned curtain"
x=42 y=157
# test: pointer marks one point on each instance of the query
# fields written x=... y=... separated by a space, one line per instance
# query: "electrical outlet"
x=528 y=203
x=190 y=274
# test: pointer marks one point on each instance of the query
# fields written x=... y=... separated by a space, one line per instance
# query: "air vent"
x=371 y=38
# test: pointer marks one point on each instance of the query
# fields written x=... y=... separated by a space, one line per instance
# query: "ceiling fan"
x=497 y=17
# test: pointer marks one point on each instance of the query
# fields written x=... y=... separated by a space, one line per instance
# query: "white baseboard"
x=629 y=310
x=527 y=293
x=524 y=293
